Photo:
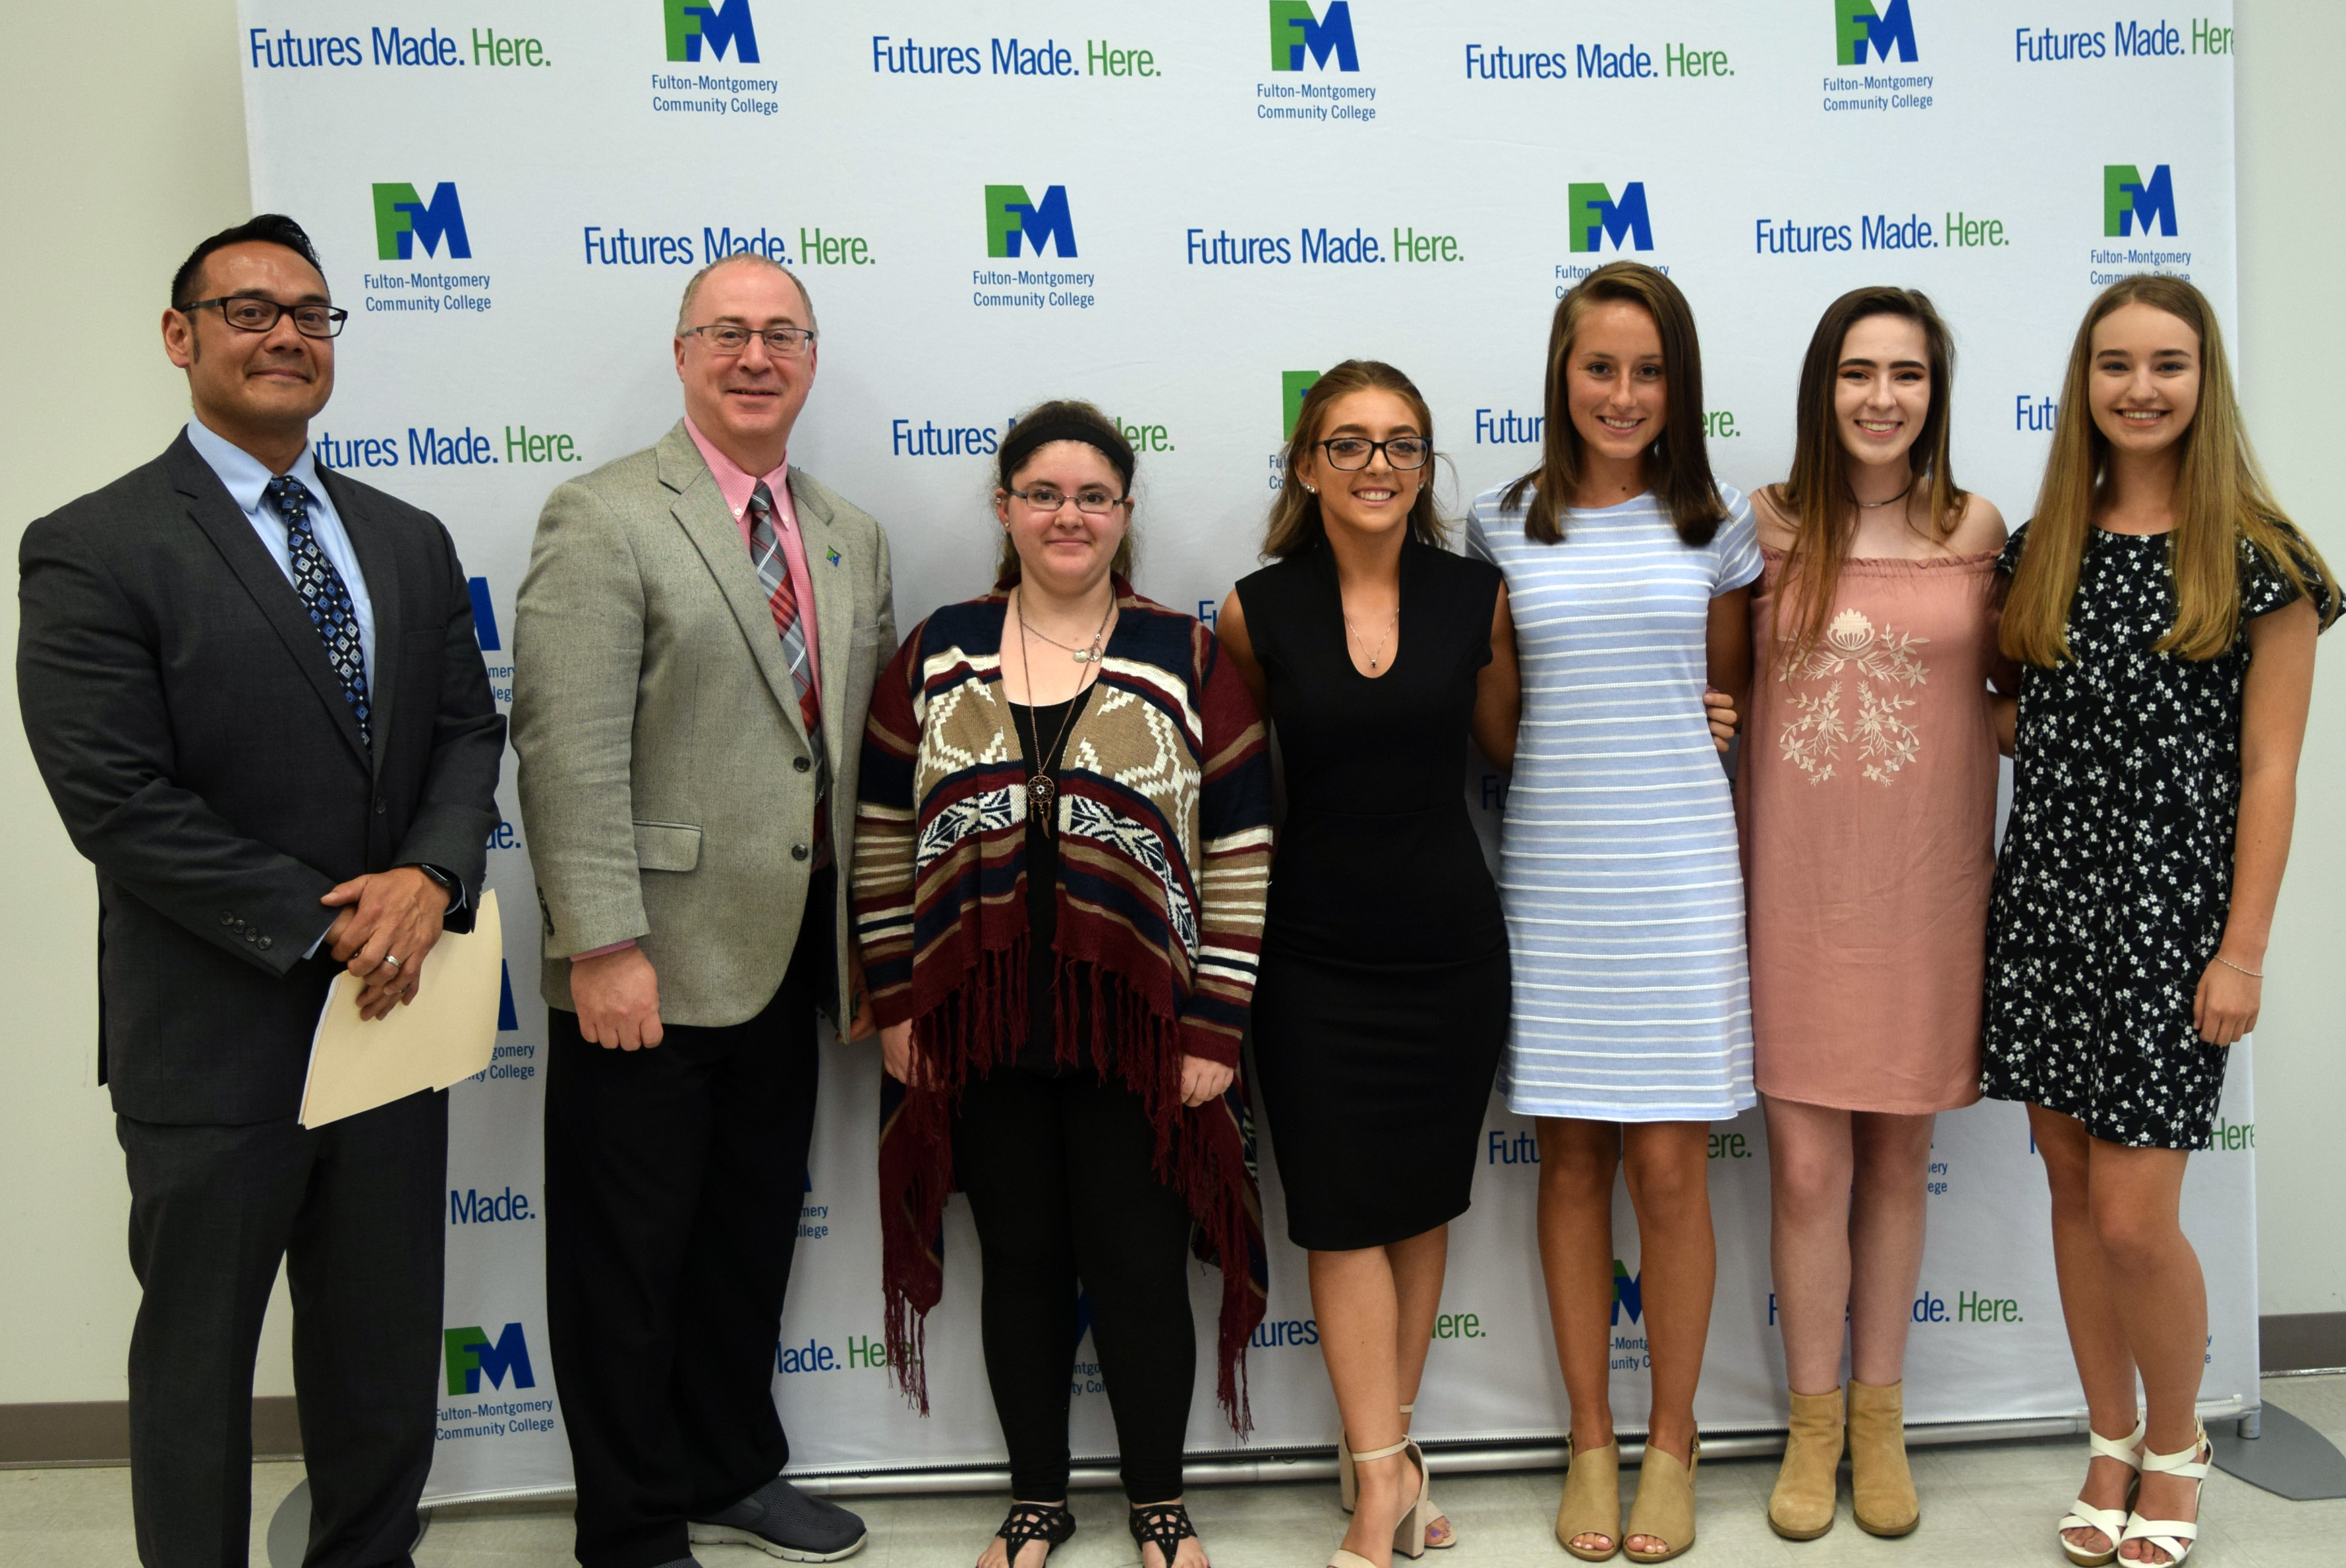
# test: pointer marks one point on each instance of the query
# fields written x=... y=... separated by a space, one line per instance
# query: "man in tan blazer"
x=697 y=640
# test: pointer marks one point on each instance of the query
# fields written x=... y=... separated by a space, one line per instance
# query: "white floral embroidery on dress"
x=1811 y=739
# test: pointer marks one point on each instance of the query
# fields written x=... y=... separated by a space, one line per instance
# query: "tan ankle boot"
x=1880 y=1484
x=1802 y=1506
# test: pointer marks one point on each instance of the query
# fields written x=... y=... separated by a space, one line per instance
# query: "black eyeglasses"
x=728 y=338
x=1356 y=451
x=1091 y=503
x=251 y=313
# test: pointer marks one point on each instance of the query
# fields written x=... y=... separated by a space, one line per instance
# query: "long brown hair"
x=2220 y=499
x=1678 y=465
x=1294 y=525
x=1009 y=456
x=1817 y=497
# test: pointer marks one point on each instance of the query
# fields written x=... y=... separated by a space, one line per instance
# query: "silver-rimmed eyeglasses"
x=1091 y=503
x=732 y=337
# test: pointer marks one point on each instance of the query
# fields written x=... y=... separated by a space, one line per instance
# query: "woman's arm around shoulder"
x=1499 y=690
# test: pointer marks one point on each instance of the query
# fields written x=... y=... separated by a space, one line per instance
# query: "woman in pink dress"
x=1867 y=801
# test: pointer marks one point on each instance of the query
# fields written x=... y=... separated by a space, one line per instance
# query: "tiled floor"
x=1982 y=1505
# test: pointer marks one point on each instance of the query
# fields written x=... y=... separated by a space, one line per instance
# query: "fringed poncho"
x=1164 y=821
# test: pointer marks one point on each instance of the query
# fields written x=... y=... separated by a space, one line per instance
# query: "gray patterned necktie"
x=325 y=596
x=781 y=598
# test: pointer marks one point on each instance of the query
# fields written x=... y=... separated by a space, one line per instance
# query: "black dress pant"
x=1061 y=1181
x=673 y=1181
x=356 y=1210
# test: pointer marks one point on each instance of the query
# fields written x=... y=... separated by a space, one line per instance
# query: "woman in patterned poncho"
x=1063 y=845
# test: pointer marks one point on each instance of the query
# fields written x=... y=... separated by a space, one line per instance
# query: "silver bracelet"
x=2251 y=973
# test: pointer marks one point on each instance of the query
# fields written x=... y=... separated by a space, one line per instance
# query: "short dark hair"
x=268 y=229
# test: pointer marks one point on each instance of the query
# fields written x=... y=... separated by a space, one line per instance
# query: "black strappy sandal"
x=1048 y=1522
x=1164 y=1524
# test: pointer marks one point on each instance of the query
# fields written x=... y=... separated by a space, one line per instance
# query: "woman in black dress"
x=1383 y=997
x=2163 y=612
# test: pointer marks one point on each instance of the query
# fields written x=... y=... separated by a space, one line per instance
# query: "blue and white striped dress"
x=1618 y=866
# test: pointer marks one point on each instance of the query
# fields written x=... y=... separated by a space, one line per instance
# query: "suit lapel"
x=834 y=610
x=700 y=511
x=379 y=564
x=215 y=512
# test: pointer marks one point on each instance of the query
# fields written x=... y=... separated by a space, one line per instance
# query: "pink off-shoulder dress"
x=1867 y=804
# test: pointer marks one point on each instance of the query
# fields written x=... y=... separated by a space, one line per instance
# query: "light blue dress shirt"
x=246 y=479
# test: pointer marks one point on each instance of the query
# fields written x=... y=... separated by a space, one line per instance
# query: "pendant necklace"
x=1040 y=789
x=1382 y=641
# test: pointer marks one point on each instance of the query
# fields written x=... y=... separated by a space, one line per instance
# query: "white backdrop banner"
x=1183 y=213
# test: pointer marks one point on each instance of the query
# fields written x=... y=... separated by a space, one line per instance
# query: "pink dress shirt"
x=737 y=487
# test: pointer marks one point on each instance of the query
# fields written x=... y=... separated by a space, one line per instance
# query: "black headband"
x=1029 y=435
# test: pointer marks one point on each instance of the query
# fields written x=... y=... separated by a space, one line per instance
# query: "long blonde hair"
x=1294 y=525
x=1816 y=499
x=2220 y=499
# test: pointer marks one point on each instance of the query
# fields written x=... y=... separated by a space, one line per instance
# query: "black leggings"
x=1061 y=1182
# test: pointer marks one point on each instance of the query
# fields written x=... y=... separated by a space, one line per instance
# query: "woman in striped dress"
x=1630 y=571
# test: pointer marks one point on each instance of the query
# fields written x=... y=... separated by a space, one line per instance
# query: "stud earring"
x=1309 y=489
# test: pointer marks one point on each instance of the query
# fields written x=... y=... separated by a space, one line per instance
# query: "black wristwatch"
x=448 y=884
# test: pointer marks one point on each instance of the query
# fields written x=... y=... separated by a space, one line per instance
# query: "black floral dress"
x=2116 y=877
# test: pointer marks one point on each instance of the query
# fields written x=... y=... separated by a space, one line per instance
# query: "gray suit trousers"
x=356 y=1209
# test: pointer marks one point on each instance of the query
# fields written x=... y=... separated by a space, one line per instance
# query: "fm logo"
x=717 y=24
x=2130 y=204
x=401 y=218
x=1295 y=32
x=1292 y=386
x=470 y=1354
x=1858 y=26
x=1596 y=216
x=1629 y=1293
x=1009 y=216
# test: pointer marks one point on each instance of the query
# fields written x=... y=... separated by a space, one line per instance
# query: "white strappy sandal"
x=2111 y=1521
x=2175 y=1537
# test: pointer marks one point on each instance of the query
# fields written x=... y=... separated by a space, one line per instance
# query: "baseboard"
x=2294 y=1341
x=97 y=1432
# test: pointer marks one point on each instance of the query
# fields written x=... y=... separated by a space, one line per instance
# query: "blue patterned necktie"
x=325 y=596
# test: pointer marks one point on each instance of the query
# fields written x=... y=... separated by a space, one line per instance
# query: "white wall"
x=112 y=173
x=118 y=160
x=2292 y=123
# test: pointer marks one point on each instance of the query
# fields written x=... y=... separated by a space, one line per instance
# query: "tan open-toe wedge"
x=1592 y=1500
x=1664 y=1509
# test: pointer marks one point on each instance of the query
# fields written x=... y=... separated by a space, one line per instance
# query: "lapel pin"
x=834 y=557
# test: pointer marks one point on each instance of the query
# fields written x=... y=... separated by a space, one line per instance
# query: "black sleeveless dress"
x=1382 y=1002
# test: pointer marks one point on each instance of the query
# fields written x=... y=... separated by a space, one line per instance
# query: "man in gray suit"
x=697 y=640
x=254 y=691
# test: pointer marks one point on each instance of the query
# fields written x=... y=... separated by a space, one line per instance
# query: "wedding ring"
x=391 y=960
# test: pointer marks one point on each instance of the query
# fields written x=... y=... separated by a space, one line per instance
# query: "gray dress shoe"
x=782 y=1521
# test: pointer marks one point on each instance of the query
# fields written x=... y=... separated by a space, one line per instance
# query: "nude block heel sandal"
x=2175 y=1537
x=1409 y=1533
x=2111 y=1521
